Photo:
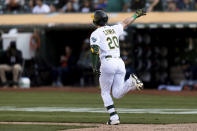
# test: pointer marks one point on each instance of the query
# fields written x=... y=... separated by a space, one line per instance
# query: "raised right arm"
x=125 y=23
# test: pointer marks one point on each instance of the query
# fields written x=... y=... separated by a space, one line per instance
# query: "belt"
x=110 y=56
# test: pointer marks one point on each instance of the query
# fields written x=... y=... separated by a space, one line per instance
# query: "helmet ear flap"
x=106 y=19
x=94 y=22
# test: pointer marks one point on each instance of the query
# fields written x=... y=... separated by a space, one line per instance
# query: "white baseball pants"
x=112 y=78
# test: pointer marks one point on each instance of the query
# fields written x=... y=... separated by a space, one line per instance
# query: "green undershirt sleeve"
x=95 y=56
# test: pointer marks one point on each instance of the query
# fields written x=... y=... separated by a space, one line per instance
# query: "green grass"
x=50 y=99
x=68 y=99
x=65 y=99
x=95 y=117
x=8 y=127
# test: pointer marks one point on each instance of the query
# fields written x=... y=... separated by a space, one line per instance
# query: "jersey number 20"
x=113 y=42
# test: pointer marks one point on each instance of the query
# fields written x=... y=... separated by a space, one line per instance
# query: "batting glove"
x=97 y=72
x=140 y=12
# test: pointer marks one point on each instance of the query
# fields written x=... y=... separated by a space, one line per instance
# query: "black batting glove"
x=97 y=72
x=140 y=12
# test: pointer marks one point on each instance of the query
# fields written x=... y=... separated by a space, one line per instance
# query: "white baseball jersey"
x=112 y=69
x=107 y=38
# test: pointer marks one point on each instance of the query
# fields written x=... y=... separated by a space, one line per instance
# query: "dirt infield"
x=97 y=90
x=142 y=127
x=121 y=127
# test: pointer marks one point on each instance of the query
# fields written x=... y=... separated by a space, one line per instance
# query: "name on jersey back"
x=109 y=32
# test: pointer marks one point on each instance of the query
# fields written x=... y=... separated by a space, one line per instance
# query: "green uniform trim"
x=113 y=113
x=109 y=107
x=135 y=16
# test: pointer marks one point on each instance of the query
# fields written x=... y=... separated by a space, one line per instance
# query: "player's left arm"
x=94 y=47
x=130 y=20
x=95 y=58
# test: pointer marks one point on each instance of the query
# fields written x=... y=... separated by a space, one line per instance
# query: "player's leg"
x=106 y=80
x=3 y=69
x=16 y=70
x=120 y=86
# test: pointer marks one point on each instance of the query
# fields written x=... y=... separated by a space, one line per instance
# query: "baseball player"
x=104 y=43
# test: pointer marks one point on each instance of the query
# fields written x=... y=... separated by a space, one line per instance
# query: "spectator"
x=35 y=42
x=155 y=5
x=84 y=58
x=189 y=70
x=84 y=63
x=68 y=7
x=41 y=7
x=76 y=4
x=185 y=5
x=190 y=73
x=101 y=5
x=14 y=5
x=86 y=7
x=12 y=61
x=151 y=5
x=171 y=6
x=117 y=5
x=52 y=8
x=66 y=63
x=137 y=4
x=31 y=5
x=60 y=3
x=195 y=4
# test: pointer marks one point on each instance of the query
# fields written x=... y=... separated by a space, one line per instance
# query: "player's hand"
x=97 y=72
x=140 y=12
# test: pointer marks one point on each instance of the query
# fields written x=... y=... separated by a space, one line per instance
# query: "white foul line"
x=99 y=110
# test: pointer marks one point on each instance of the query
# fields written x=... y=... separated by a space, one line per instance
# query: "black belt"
x=110 y=56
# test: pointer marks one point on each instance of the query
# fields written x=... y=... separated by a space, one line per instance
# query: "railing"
x=153 y=19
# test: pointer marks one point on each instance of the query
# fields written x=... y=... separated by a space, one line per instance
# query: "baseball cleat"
x=138 y=83
x=113 y=122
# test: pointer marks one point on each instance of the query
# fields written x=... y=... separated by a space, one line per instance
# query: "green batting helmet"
x=100 y=18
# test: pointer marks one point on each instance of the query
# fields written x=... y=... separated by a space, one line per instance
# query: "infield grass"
x=68 y=99
x=71 y=117
x=9 y=127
